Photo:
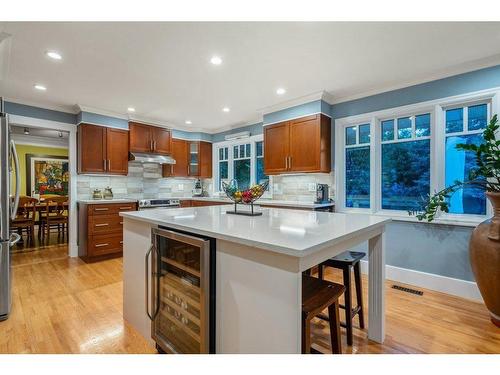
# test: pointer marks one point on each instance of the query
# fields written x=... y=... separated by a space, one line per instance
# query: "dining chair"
x=54 y=215
x=25 y=217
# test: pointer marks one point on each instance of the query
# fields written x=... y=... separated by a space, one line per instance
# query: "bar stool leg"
x=306 y=335
x=320 y=271
x=359 y=294
x=348 y=303
x=333 y=315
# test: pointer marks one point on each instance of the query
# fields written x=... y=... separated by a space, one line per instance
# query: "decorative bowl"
x=246 y=197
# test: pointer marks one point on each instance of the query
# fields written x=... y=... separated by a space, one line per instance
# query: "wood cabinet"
x=193 y=159
x=298 y=146
x=180 y=155
x=100 y=230
x=196 y=203
x=149 y=139
x=102 y=150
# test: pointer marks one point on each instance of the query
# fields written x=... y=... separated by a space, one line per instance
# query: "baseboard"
x=448 y=285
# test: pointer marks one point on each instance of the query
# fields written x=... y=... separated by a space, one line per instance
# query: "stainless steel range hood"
x=150 y=158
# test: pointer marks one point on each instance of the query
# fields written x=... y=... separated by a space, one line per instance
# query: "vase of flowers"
x=484 y=246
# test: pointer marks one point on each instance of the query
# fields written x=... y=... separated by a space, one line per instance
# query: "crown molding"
x=99 y=111
x=466 y=67
x=321 y=95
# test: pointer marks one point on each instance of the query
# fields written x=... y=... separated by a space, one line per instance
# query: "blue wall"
x=41 y=113
x=455 y=85
x=94 y=118
x=254 y=129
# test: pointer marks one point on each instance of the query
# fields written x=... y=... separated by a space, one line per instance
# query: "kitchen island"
x=258 y=267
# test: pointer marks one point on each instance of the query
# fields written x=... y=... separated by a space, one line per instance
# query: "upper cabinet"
x=180 y=155
x=102 y=150
x=149 y=139
x=298 y=146
x=193 y=159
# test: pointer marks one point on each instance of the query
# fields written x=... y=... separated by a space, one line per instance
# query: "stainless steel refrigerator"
x=8 y=207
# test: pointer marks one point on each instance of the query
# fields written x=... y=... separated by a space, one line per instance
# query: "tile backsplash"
x=295 y=187
x=142 y=181
x=146 y=181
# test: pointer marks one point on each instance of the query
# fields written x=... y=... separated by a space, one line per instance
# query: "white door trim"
x=40 y=123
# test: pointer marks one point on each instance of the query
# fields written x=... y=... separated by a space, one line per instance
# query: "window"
x=241 y=167
x=458 y=164
x=388 y=162
x=241 y=160
x=405 y=165
x=357 y=161
x=260 y=177
x=223 y=166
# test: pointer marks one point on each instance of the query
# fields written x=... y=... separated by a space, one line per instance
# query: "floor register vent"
x=408 y=290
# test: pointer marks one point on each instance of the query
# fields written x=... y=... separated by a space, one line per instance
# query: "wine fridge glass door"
x=180 y=292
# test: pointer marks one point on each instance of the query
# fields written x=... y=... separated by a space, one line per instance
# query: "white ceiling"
x=163 y=69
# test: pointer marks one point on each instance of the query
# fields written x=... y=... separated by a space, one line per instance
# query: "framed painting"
x=47 y=174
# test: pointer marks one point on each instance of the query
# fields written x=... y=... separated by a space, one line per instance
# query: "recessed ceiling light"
x=40 y=87
x=216 y=60
x=54 y=55
x=26 y=131
x=131 y=109
x=60 y=134
x=280 y=91
x=225 y=109
x=188 y=122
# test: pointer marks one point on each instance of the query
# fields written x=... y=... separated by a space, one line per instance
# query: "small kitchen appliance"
x=322 y=193
x=198 y=188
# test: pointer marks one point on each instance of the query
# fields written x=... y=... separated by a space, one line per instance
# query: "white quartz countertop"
x=268 y=202
x=106 y=201
x=293 y=232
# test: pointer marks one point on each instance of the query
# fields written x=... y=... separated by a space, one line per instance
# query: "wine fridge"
x=180 y=291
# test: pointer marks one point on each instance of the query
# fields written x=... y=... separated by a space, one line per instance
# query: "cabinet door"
x=140 y=137
x=193 y=159
x=305 y=144
x=180 y=154
x=276 y=148
x=117 y=151
x=91 y=149
x=205 y=160
x=162 y=140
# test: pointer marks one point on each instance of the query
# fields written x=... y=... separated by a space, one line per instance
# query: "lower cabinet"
x=100 y=230
x=196 y=203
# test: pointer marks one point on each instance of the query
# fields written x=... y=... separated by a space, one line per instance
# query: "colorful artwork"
x=47 y=174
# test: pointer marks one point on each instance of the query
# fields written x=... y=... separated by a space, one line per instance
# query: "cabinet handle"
x=154 y=145
x=121 y=242
x=101 y=244
x=286 y=163
x=121 y=222
x=101 y=209
x=104 y=161
x=125 y=208
x=289 y=162
x=109 y=164
x=102 y=225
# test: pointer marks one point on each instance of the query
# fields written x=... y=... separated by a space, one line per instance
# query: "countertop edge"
x=297 y=253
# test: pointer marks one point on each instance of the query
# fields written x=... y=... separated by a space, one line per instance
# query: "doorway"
x=42 y=217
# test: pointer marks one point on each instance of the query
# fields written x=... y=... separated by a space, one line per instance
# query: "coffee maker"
x=322 y=193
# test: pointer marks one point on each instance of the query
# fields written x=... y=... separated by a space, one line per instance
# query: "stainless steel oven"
x=180 y=291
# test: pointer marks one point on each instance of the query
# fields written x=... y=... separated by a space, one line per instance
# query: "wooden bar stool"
x=318 y=295
x=346 y=261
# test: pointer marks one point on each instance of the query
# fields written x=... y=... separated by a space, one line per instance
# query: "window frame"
x=252 y=140
x=436 y=109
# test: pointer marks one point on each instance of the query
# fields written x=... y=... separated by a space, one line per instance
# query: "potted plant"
x=484 y=246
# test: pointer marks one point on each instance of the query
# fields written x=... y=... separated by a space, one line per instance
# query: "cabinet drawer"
x=110 y=209
x=105 y=244
x=105 y=224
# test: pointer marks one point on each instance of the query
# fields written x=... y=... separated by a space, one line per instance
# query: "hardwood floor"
x=63 y=305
